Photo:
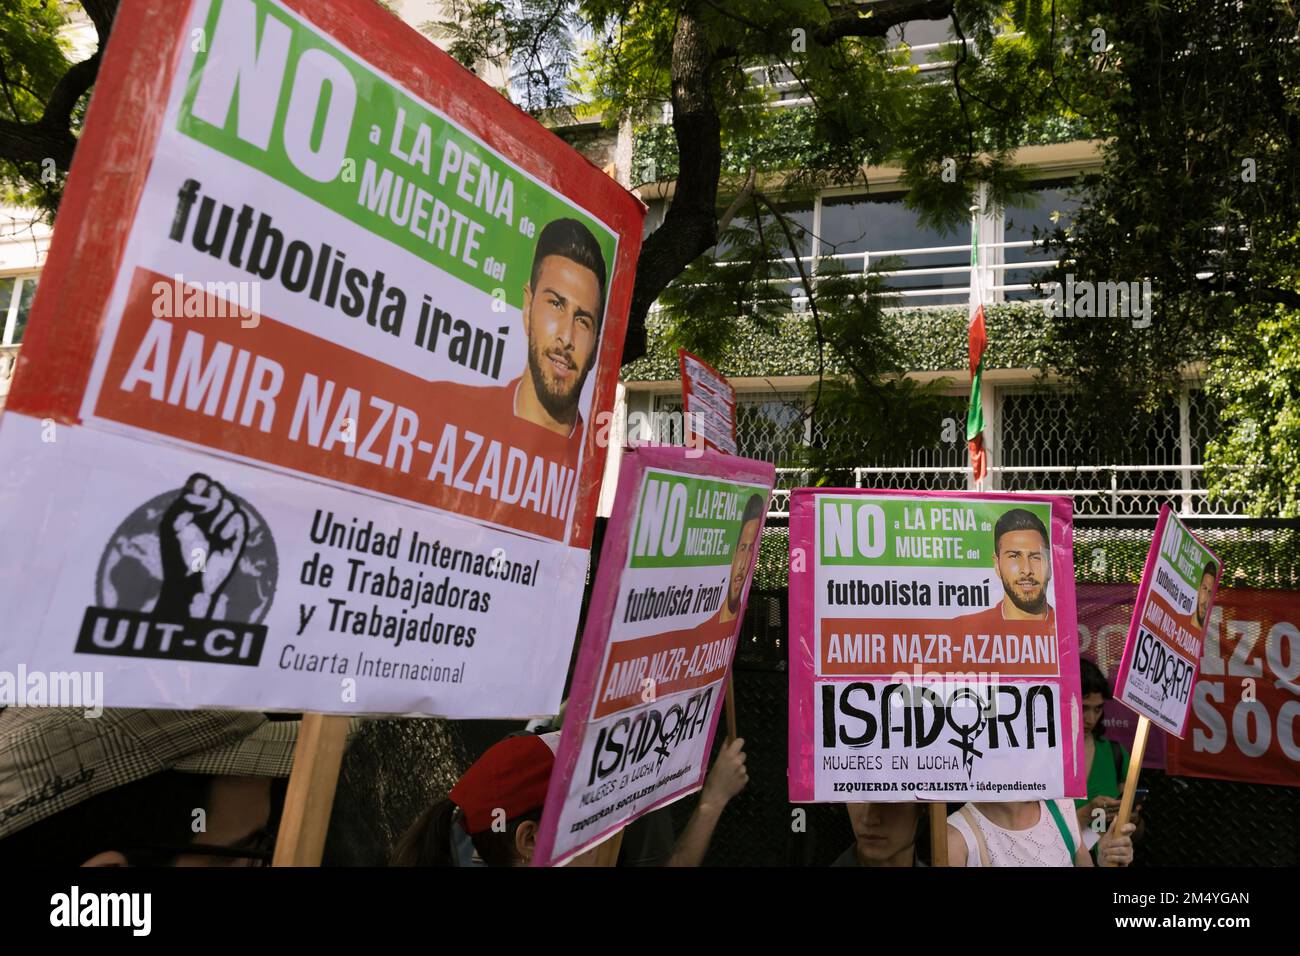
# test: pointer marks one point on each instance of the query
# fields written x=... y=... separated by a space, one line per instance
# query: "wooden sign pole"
x=606 y=854
x=938 y=834
x=731 y=708
x=1134 y=768
x=310 y=797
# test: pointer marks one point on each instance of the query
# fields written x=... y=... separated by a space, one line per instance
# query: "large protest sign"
x=1162 y=654
x=302 y=417
x=708 y=404
x=1105 y=612
x=657 y=649
x=933 y=652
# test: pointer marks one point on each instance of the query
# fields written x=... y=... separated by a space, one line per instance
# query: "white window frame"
x=11 y=316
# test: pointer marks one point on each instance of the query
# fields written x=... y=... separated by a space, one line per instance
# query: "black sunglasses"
x=260 y=847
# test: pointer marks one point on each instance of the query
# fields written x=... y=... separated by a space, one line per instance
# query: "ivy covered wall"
x=788 y=141
x=933 y=340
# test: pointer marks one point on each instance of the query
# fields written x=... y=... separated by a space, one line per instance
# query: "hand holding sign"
x=1116 y=846
x=728 y=776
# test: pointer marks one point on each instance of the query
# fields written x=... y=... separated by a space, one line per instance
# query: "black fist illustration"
x=201 y=539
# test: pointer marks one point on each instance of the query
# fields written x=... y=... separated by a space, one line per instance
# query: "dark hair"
x=1017 y=519
x=427 y=842
x=753 y=509
x=155 y=811
x=574 y=241
x=1093 y=681
x=1211 y=569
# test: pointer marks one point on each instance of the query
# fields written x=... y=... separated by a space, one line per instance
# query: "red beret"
x=512 y=776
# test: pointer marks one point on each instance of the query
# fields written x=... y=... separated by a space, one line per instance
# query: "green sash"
x=1060 y=825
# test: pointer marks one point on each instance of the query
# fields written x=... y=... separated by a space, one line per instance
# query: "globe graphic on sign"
x=130 y=571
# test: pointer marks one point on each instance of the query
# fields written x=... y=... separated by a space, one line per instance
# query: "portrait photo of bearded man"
x=1022 y=559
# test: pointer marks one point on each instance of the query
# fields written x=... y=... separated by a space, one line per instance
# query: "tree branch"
x=811 y=294
x=739 y=201
x=875 y=18
x=690 y=226
x=51 y=137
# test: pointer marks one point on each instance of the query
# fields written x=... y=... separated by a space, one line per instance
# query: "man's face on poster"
x=561 y=319
x=1022 y=564
x=1203 y=597
x=740 y=563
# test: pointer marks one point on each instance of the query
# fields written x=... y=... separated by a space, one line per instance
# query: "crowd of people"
x=196 y=788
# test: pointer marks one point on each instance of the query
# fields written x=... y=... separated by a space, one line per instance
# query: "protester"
x=492 y=815
x=726 y=779
x=141 y=787
x=1106 y=761
x=884 y=834
x=1029 y=833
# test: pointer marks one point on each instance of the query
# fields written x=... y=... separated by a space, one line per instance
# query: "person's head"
x=141 y=787
x=563 y=309
x=1206 y=590
x=1022 y=559
x=492 y=813
x=885 y=832
x=1095 y=691
x=745 y=547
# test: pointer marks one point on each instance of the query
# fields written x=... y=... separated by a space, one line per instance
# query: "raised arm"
x=727 y=778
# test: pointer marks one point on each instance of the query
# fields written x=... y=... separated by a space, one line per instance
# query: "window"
x=858 y=231
x=924 y=37
x=1055 y=206
x=799 y=222
x=769 y=424
x=16 y=294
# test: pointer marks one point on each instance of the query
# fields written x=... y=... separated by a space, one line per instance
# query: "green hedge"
x=789 y=141
x=932 y=339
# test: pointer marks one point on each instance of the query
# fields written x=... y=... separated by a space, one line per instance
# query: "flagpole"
x=976 y=341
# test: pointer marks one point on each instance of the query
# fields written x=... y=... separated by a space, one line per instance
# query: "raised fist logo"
x=201 y=538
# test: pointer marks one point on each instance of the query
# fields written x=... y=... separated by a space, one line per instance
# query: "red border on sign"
x=103 y=193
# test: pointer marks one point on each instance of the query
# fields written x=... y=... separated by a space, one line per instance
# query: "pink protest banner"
x=933 y=647
x=1105 y=611
x=1162 y=655
x=657 y=649
x=708 y=404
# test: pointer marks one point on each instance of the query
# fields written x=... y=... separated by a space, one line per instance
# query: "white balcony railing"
x=1098 y=490
x=954 y=284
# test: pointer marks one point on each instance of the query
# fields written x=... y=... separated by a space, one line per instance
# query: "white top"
x=1040 y=845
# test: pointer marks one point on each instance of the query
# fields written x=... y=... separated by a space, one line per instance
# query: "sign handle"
x=938 y=834
x=730 y=706
x=1134 y=768
x=317 y=758
x=605 y=854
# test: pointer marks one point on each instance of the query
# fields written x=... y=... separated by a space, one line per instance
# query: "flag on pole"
x=977 y=339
